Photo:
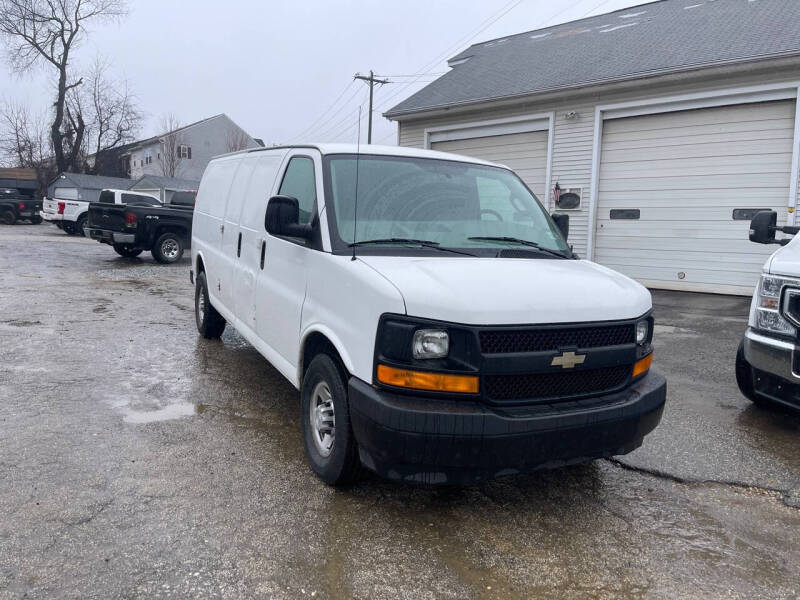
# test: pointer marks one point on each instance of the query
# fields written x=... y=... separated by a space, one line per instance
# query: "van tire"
x=8 y=217
x=210 y=323
x=342 y=465
x=168 y=248
x=126 y=250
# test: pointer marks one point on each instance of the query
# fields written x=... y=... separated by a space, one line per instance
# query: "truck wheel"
x=126 y=250
x=80 y=226
x=8 y=217
x=68 y=227
x=210 y=323
x=325 y=416
x=37 y=220
x=744 y=377
x=168 y=248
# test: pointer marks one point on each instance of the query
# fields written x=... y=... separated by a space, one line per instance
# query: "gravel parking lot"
x=138 y=460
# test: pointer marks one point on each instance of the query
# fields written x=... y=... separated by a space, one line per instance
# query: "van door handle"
x=263 y=251
x=239 y=246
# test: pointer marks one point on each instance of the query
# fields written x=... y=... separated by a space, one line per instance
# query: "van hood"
x=508 y=291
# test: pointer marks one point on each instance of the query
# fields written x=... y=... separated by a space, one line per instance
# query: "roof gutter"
x=394 y=115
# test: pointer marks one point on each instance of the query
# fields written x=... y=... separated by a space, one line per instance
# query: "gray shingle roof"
x=664 y=36
x=168 y=183
x=94 y=182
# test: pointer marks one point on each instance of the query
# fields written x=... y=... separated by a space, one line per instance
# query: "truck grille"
x=544 y=386
x=539 y=340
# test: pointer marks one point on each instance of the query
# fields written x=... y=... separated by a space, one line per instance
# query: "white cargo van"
x=768 y=363
x=428 y=308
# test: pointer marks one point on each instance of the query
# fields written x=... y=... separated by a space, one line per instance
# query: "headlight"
x=430 y=343
x=642 y=331
x=769 y=298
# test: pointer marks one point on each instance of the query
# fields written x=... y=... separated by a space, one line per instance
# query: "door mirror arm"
x=562 y=222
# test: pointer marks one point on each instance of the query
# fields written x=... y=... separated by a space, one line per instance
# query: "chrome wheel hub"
x=169 y=248
x=322 y=419
x=201 y=306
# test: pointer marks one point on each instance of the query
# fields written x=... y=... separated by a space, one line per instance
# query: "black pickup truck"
x=15 y=206
x=132 y=228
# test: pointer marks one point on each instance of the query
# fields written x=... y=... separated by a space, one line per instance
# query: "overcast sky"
x=276 y=66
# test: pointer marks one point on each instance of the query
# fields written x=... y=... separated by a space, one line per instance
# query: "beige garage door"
x=676 y=192
x=525 y=153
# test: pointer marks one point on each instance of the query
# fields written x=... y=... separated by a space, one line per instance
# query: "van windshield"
x=404 y=201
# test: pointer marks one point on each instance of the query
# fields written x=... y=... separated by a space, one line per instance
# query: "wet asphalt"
x=138 y=460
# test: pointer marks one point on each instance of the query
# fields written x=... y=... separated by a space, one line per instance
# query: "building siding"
x=573 y=138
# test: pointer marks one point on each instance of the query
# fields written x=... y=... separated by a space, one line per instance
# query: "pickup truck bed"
x=15 y=207
x=131 y=229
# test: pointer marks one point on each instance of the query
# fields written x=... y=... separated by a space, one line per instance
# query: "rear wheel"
x=80 y=226
x=8 y=217
x=37 y=220
x=328 y=437
x=168 y=248
x=68 y=227
x=744 y=377
x=126 y=250
x=210 y=323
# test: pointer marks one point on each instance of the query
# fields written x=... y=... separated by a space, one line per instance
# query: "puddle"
x=167 y=413
x=671 y=329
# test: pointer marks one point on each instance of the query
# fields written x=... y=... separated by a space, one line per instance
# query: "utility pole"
x=371 y=80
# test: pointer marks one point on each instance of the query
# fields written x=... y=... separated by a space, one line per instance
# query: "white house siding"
x=207 y=139
x=573 y=138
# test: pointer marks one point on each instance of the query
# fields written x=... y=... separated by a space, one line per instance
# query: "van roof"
x=331 y=148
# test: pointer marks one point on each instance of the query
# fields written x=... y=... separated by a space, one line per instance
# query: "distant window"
x=137 y=200
x=184 y=151
x=746 y=214
x=183 y=198
x=107 y=197
x=298 y=182
x=148 y=159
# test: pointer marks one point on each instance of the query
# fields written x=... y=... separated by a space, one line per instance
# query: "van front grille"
x=544 y=339
x=555 y=385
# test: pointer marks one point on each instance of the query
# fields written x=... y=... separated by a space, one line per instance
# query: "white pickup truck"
x=71 y=214
x=768 y=360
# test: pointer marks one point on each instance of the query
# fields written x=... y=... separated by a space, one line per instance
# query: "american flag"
x=556 y=194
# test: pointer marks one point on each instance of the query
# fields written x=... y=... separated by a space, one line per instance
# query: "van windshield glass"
x=403 y=200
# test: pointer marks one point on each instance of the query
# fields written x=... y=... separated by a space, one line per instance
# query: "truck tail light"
x=21 y=206
x=61 y=207
x=131 y=220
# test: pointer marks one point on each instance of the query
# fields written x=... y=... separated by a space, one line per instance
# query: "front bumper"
x=107 y=236
x=775 y=374
x=460 y=442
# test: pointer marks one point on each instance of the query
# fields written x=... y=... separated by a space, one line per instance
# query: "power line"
x=325 y=112
x=327 y=125
x=335 y=131
x=371 y=81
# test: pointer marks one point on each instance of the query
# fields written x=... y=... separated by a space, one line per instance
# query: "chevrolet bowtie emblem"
x=567 y=360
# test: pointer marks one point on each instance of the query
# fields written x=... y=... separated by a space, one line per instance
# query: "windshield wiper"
x=423 y=243
x=520 y=241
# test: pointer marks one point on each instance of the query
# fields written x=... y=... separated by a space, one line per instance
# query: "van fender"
x=347 y=360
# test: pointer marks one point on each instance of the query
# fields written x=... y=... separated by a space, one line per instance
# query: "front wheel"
x=80 y=226
x=210 y=323
x=8 y=217
x=168 y=248
x=126 y=250
x=328 y=437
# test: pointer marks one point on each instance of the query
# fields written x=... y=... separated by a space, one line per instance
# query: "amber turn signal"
x=642 y=366
x=419 y=380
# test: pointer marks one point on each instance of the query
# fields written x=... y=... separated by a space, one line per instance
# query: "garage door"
x=677 y=190
x=525 y=153
x=66 y=193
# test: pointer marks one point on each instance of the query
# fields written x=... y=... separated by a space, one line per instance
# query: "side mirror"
x=762 y=227
x=562 y=222
x=283 y=218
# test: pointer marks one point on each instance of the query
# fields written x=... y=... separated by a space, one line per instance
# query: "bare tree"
x=47 y=31
x=237 y=140
x=170 y=157
x=104 y=115
x=24 y=143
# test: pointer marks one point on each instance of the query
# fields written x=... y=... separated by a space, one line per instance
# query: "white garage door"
x=670 y=183
x=525 y=153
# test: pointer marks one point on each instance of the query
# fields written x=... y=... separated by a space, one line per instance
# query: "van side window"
x=298 y=181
